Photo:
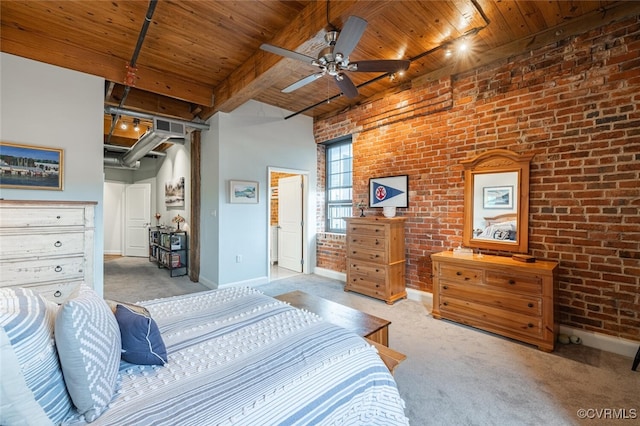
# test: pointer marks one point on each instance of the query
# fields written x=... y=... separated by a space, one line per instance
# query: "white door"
x=290 y=223
x=137 y=214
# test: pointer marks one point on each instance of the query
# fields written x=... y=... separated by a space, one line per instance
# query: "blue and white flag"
x=392 y=193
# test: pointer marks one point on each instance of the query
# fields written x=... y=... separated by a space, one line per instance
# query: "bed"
x=233 y=356
x=501 y=227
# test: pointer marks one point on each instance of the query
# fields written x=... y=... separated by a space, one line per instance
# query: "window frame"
x=346 y=203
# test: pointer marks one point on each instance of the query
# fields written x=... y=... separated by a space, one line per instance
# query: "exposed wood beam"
x=194 y=232
x=30 y=45
x=152 y=103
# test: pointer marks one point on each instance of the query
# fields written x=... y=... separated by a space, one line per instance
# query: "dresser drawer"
x=530 y=284
x=361 y=241
x=16 y=217
x=460 y=274
x=17 y=246
x=362 y=285
x=491 y=318
x=367 y=270
x=528 y=305
x=375 y=254
x=58 y=292
x=42 y=271
x=367 y=229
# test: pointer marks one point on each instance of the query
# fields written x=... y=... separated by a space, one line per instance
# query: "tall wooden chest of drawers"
x=47 y=246
x=497 y=294
x=376 y=257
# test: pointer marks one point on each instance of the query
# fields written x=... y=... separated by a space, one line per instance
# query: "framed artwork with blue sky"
x=31 y=167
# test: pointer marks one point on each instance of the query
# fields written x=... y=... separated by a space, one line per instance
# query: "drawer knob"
x=445 y=287
x=58 y=217
x=512 y=282
x=57 y=244
x=446 y=303
x=530 y=305
x=58 y=268
x=377 y=242
x=58 y=293
x=530 y=325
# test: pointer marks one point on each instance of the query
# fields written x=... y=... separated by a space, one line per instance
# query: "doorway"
x=126 y=218
x=287 y=193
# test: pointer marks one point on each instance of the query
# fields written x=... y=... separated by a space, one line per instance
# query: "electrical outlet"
x=238 y=258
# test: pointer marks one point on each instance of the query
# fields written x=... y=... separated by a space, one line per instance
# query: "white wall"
x=175 y=165
x=242 y=145
x=113 y=217
x=48 y=106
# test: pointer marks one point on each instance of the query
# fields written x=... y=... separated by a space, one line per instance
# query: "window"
x=338 y=184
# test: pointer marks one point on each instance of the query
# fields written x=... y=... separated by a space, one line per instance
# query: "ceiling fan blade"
x=382 y=65
x=302 y=82
x=287 y=53
x=350 y=35
x=346 y=86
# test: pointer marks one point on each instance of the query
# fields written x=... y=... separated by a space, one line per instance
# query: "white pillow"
x=32 y=389
x=88 y=340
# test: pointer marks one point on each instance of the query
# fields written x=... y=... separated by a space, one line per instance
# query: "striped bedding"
x=238 y=357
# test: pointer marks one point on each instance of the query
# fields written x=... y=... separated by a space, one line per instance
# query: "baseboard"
x=328 y=273
x=254 y=282
x=113 y=252
x=617 y=345
x=423 y=297
x=207 y=283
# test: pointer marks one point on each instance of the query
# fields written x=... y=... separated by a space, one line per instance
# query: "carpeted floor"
x=453 y=375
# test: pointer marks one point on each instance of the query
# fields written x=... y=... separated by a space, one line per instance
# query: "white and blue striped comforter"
x=238 y=357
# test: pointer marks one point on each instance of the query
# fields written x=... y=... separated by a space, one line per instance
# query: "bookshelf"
x=169 y=249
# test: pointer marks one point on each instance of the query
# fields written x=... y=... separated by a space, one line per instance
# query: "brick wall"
x=575 y=105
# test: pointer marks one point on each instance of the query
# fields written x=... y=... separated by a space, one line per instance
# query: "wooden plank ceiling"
x=200 y=57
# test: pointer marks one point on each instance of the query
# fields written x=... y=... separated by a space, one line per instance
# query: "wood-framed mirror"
x=496 y=201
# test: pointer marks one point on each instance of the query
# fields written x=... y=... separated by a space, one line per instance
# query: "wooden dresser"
x=47 y=245
x=375 y=257
x=497 y=294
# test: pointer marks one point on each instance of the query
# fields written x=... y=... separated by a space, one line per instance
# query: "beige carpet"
x=453 y=375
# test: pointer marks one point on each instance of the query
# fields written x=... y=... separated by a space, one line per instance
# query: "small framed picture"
x=497 y=197
x=31 y=167
x=243 y=192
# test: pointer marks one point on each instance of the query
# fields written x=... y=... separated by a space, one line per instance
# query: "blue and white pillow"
x=88 y=340
x=141 y=339
x=32 y=388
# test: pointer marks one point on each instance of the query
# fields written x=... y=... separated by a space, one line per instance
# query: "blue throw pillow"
x=141 y=339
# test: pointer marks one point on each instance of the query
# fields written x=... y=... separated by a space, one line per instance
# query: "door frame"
x=306 y=267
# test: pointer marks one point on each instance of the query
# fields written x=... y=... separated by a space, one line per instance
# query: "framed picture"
x=497 y=197
x=391 y=191
x=243 y=192
x=31 y=167
x=174 y=193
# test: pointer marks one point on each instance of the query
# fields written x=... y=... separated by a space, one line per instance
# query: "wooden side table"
x=363 y=324
x=375 y=330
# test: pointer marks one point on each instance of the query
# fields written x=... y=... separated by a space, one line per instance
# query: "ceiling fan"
x=334 y=59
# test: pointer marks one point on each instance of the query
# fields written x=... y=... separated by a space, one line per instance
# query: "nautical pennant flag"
x=383 y=193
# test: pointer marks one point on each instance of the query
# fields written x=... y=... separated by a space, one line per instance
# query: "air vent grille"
x=173 y=128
